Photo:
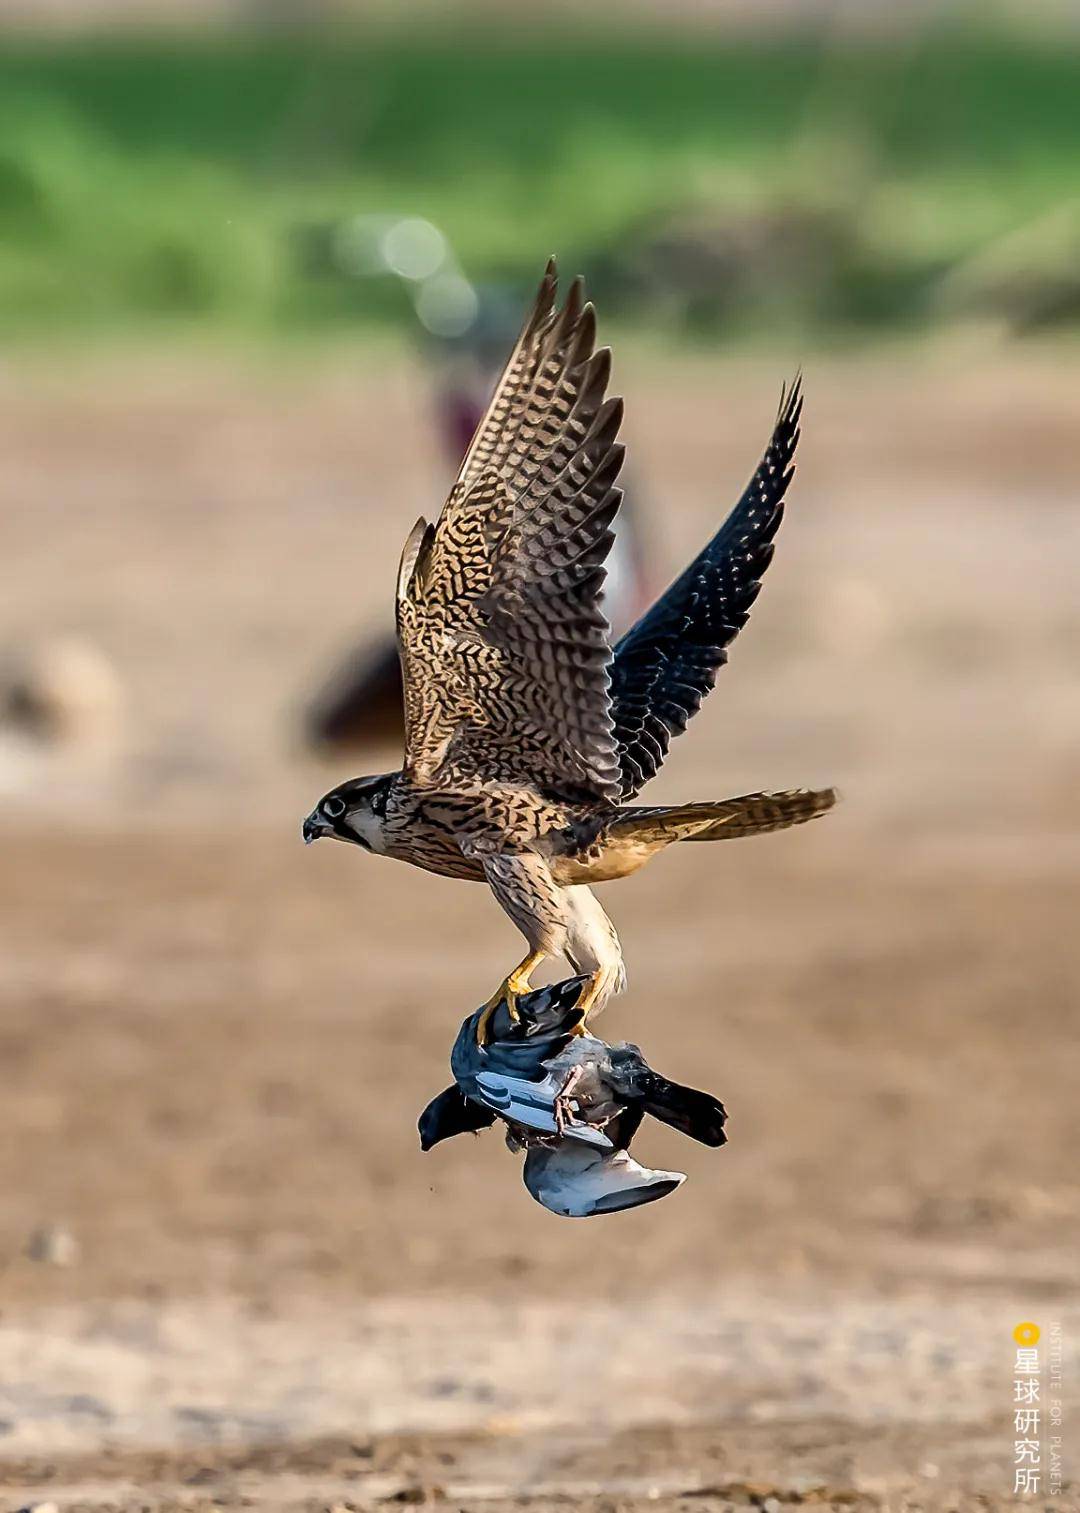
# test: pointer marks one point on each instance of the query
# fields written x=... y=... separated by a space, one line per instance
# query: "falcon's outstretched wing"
x=666 y=664
x=504 y=649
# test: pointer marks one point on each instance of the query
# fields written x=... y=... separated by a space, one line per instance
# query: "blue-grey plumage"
x=572 y=1101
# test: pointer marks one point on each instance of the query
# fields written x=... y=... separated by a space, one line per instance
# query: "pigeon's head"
x=355 y=812
x=451 y=1113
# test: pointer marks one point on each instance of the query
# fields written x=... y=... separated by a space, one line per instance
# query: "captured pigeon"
x=571 y=1101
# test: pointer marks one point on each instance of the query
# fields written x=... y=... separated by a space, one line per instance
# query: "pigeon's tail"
x=699 y=1115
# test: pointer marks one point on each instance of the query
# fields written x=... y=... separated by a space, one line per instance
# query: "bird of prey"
x=571 y=1101
x=526 y=735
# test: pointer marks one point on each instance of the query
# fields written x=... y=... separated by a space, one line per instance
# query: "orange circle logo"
x=1027 y=1334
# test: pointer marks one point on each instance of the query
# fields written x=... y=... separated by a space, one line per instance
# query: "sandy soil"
x=230 y=1277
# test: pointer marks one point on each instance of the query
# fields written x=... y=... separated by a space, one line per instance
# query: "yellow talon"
x=516 y=984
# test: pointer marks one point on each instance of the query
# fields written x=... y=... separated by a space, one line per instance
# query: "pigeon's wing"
x=547 y=1019
x=504 y=649
x=666 y=664
x=546 y=1022
x=536 y=1105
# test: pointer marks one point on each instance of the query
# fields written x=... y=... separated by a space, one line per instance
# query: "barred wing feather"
x=504 y=647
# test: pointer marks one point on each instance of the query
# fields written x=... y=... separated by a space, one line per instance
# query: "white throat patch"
x=370 y=829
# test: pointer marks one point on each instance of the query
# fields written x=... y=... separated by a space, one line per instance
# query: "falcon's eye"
x=378 y=803
x=334 y=807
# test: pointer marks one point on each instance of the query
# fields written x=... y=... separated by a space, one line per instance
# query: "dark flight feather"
x=665 y=665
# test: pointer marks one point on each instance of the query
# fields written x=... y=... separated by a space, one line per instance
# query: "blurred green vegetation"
x=703 y=185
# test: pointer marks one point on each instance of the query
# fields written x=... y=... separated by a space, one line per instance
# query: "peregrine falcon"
x=526 y=734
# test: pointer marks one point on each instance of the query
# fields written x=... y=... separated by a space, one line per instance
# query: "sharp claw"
x=482 y=1025
x=509 y=992
x=506 y=994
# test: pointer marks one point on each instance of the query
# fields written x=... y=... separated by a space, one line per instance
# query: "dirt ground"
x=229 y=1276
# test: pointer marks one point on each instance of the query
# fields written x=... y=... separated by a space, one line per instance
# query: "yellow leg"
x=508 y=992
x=593 y=988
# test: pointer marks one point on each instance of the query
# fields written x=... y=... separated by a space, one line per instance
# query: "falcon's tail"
x=753 y=814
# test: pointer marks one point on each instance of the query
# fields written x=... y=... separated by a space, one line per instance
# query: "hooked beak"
x=312 y=828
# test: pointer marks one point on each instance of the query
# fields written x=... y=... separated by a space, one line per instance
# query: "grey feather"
x=573 y=1101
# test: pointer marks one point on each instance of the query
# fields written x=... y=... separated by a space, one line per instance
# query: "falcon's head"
x=355 y=812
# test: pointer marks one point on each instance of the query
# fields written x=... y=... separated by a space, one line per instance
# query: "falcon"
x=526 y=735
